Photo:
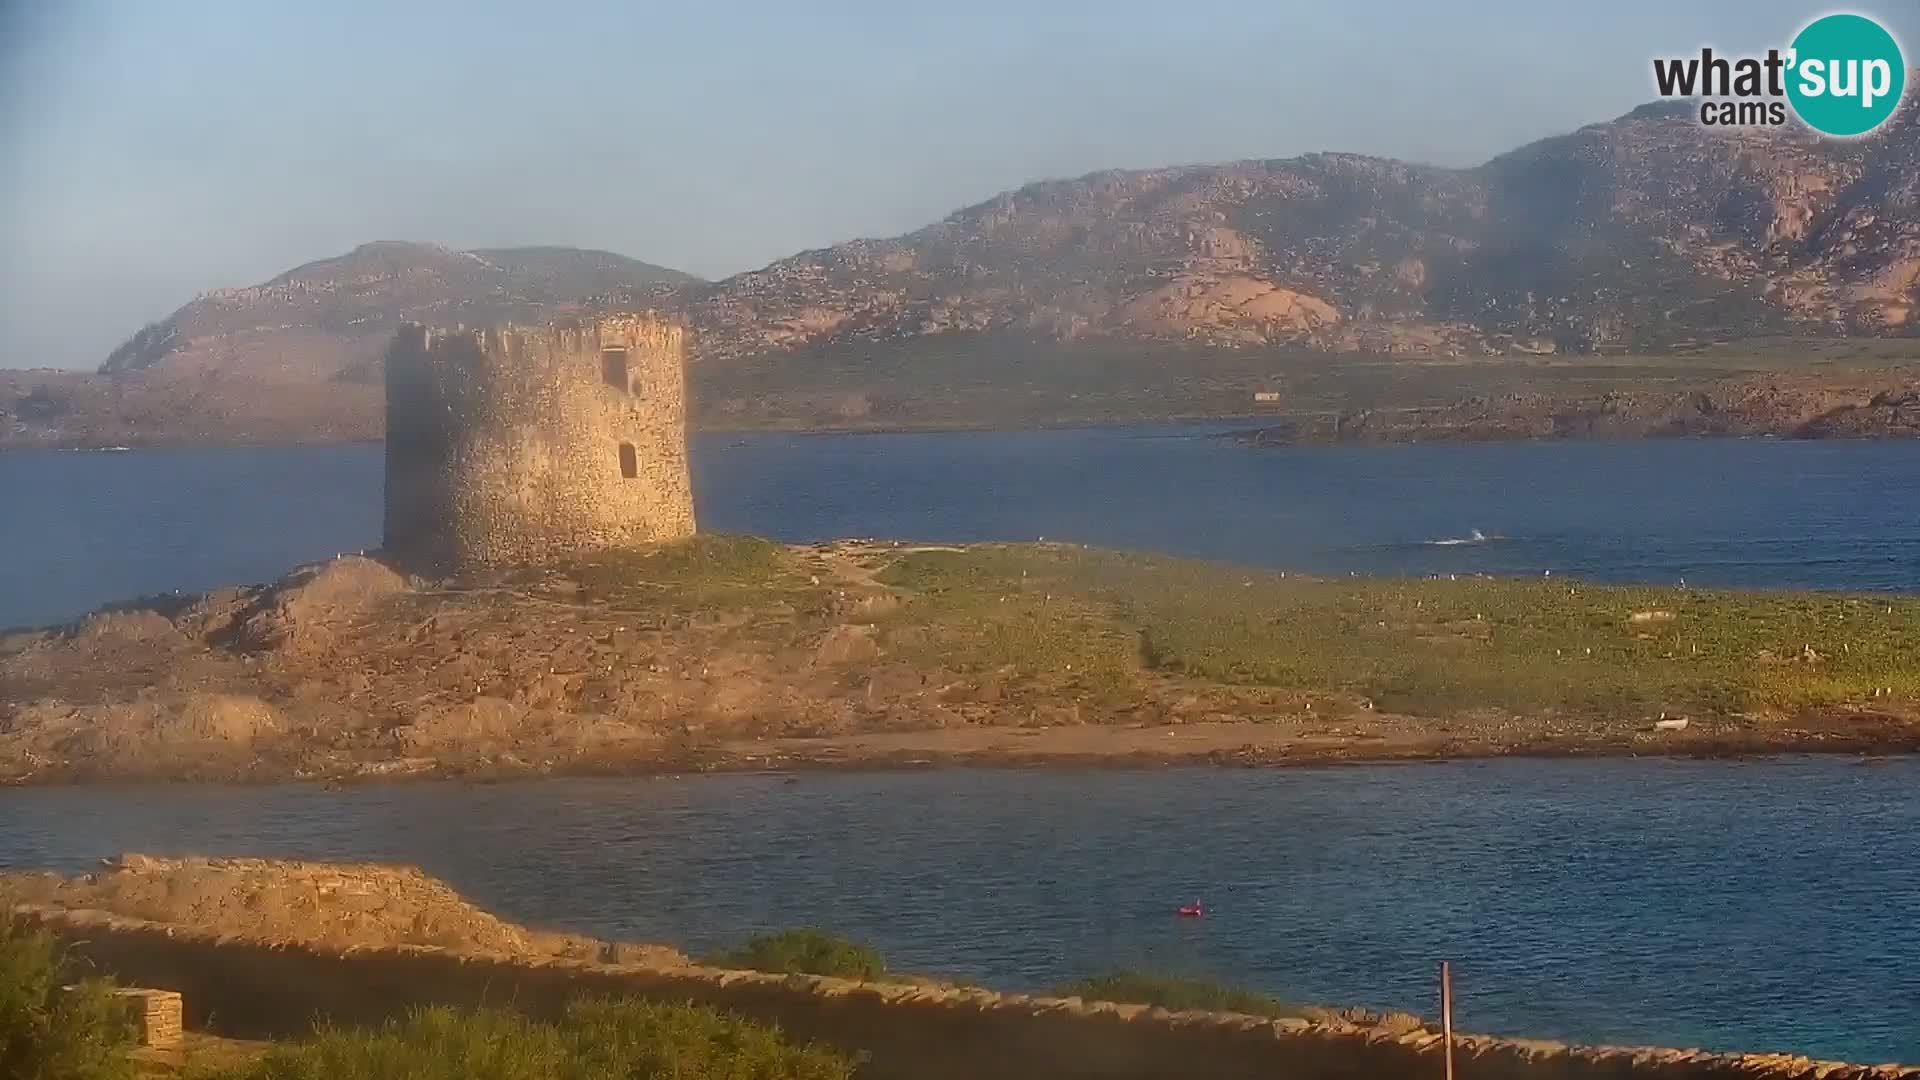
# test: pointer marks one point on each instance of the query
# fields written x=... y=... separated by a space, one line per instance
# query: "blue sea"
x=1768 y=904
x=82 y=529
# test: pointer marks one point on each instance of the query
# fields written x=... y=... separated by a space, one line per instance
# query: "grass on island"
x=705 y=579
x=1090 y=624
x=596 y=1039
x=806 y=952
x=708 y=573
x=1420 y=646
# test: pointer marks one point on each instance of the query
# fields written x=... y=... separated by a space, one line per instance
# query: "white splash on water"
x=1474 y=537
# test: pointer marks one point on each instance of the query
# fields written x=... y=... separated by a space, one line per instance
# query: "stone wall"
x=516 y=444
x=266 y=990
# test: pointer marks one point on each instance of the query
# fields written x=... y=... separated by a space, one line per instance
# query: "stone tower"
x=516 y=444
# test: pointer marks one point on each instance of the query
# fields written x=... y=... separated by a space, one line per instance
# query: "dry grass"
x=1421 y=646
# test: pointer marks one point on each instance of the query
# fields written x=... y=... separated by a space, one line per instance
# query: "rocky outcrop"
x=305 y=611
x=322 y=905
x=1232 y=307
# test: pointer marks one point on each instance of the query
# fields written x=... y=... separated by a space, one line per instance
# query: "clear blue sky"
x=150 y=150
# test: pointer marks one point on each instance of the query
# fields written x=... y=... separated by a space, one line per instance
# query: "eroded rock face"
x=232 y=719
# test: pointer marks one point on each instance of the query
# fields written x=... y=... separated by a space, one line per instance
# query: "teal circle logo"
x=1846 y=75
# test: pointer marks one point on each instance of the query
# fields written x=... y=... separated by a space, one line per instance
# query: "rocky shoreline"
x=55 y=410
x=261 y=948
x=1788 y=408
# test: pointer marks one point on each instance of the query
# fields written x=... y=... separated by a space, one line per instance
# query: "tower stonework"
x=520 y=443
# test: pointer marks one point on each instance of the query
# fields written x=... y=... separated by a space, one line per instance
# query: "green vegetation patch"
x=1177 y=993
x=708 y=572
x=1421 y=646
x=597 y=1039
x=984 y=614
x=806 y=952
x=55 y=1025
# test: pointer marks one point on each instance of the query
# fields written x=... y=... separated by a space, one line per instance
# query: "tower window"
x=613 y=368
x=629 y=461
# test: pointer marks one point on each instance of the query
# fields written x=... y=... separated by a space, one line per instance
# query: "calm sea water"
x=82 y=529
x=1773 y=904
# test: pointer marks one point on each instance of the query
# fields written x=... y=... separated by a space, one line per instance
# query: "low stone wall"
x=252 y=989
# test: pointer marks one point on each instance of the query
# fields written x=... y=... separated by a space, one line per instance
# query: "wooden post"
x=1446 y=1013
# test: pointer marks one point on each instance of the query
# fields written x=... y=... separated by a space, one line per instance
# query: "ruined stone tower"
x=516 y=444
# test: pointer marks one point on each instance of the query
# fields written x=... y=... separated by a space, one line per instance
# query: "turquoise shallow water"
x=1772 y=904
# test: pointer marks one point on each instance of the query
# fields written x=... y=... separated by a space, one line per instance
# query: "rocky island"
x=723 y=652
x=543 y=603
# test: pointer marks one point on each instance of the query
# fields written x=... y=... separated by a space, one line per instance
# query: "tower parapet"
x=516 y=444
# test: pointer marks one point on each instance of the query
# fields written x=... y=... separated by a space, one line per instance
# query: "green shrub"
x=807 y=952
x=1173 y=992
x=597 y=1039
x=50 y=1032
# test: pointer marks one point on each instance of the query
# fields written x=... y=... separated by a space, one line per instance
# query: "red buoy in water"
x=1192 y=911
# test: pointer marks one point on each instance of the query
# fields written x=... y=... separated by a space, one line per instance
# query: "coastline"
x=1809 y=392
x=1243 y=746
x=261 y=947
x=1248 y=745
x=1255 y=430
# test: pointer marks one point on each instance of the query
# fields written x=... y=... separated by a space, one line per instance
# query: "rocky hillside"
x=1647 y=232
x=332 y=319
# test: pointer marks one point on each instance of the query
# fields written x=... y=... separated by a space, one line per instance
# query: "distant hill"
x=332 y=319
x=1131 y=294
x=1646 y=232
